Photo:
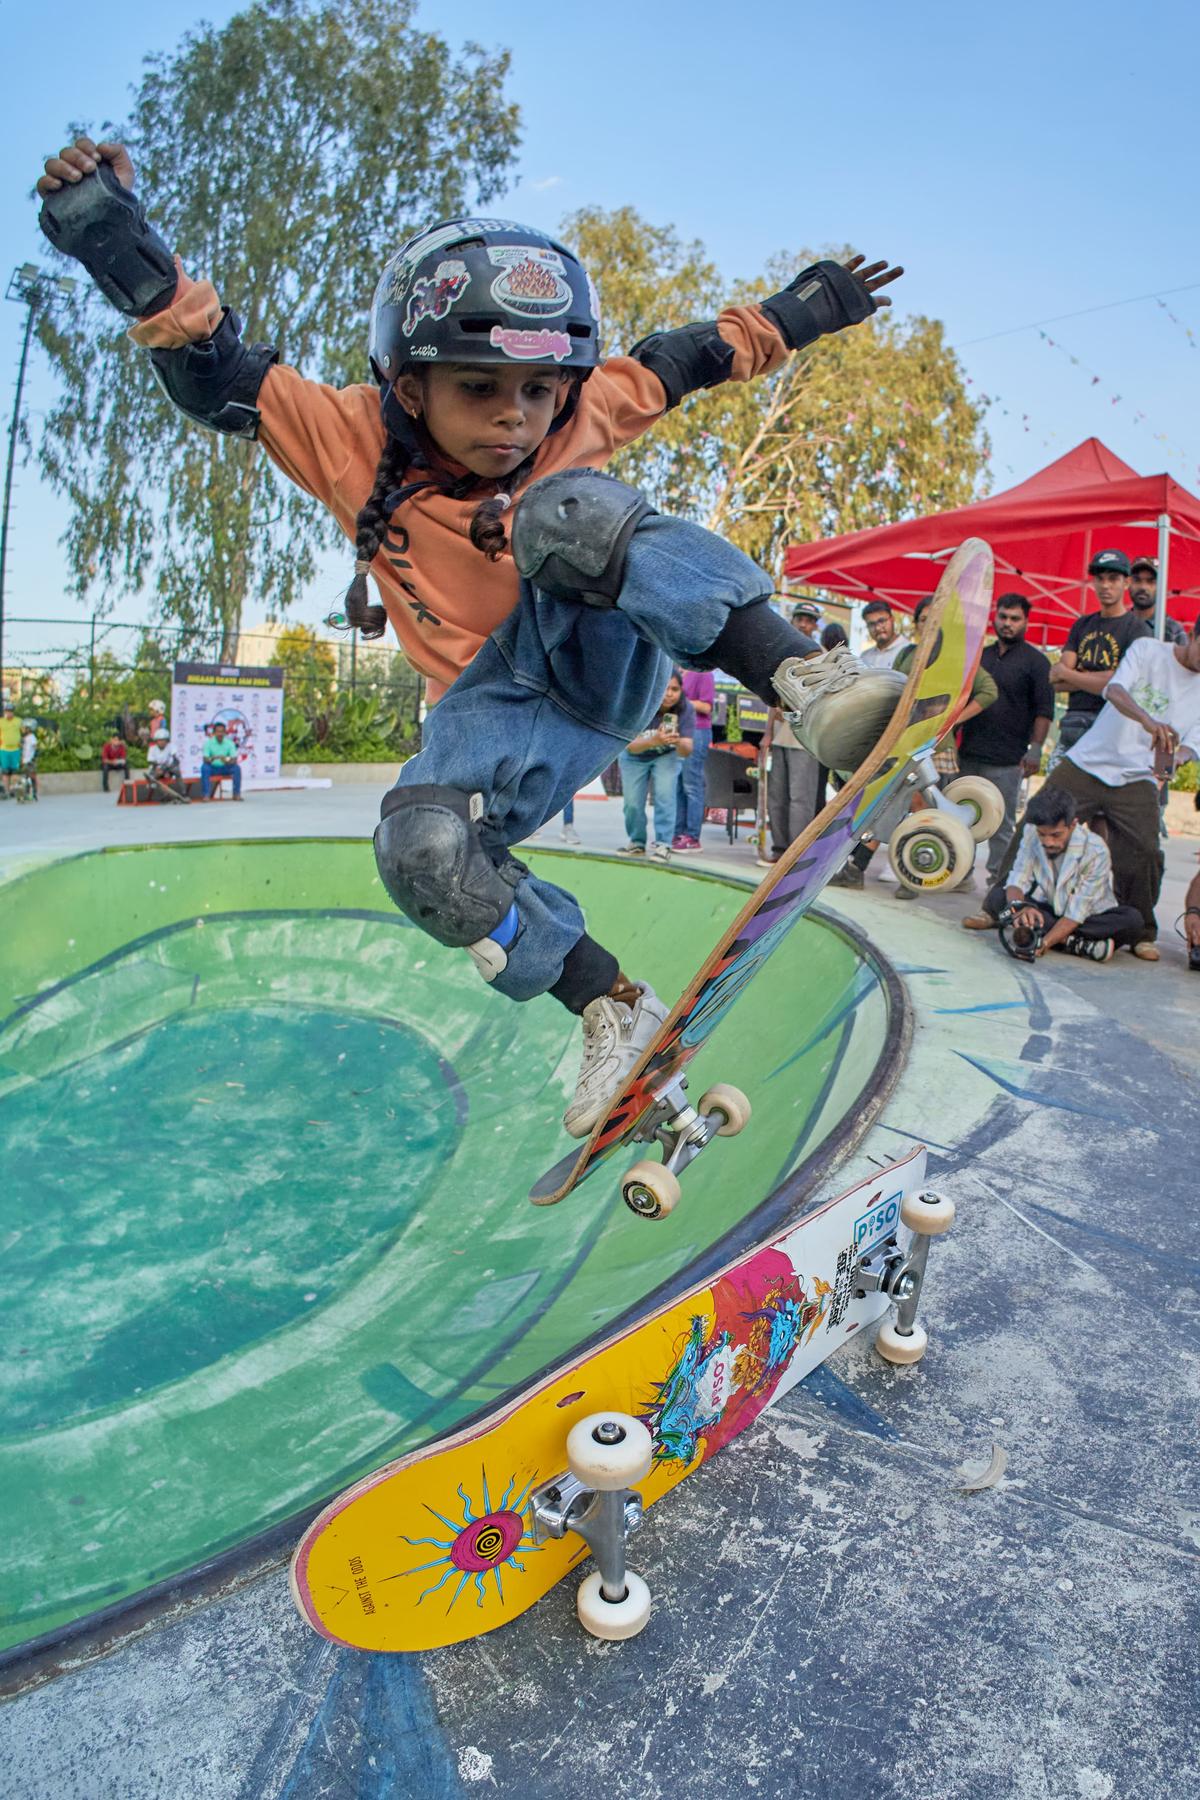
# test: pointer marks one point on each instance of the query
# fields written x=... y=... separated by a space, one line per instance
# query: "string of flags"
x=1188 y=333
x=1115 y=399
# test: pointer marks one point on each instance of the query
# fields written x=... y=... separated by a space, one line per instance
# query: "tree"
x=286 y=154
x=869 y=426
x=309 y=668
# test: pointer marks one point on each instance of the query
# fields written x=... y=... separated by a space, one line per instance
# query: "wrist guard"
x=696 y=356
x=104 y=227
x=822 y=299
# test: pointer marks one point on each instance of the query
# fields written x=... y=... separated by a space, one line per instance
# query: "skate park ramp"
x=264 y=1214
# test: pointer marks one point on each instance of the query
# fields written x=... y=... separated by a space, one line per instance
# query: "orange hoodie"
x=443 y=597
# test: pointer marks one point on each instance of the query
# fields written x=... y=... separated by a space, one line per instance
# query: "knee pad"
x=570 y=532
x=444 y=869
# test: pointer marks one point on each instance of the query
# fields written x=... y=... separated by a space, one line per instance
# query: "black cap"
x=1145 y=562
x=808 y=608
x=1109 y=561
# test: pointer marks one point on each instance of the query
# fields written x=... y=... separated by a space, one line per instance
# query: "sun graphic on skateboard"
x=479 y=1544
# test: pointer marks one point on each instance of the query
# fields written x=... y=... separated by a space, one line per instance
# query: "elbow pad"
x=216 y=381
x=694 y=357
x=825 y=298
x=104 y=227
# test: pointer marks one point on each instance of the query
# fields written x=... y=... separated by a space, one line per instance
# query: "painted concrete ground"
x=833 y=1613
x=268 y=1150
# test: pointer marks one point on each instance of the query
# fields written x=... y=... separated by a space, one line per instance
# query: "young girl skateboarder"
x=491 y=411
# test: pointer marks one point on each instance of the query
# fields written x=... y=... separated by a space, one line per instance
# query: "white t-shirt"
x=1117 y=750
x=876 y=658
x=28 y=748
x=157 y=752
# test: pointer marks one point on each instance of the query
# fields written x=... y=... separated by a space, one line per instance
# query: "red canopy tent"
x=1044 y=532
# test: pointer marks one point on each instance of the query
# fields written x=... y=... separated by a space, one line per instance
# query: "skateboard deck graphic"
x=444 y=1544
x=938 y=685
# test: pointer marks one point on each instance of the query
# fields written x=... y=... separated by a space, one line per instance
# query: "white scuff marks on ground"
x=475 y=1765
x=807 y=1445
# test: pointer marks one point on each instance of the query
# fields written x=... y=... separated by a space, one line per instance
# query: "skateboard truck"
x=900 y=1274
x=651 y=1189
x=605 y=1452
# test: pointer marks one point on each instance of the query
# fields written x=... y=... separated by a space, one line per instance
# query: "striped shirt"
x=1075 y=884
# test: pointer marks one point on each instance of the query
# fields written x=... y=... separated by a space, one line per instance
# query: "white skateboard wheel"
x=613 y=1618
x=731 y=1103
x=650 y=1190
x=931 y=851
x=609 y=1461
x=981 y=798
x=896 y=1347
x=927 y=1213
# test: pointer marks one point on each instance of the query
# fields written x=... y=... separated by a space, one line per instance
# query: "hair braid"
x=370 y=528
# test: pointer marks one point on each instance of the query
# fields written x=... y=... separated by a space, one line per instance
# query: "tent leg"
x=1160 y=591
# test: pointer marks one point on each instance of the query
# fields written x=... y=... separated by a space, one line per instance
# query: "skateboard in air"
x=930 y=848
x=453 y=1540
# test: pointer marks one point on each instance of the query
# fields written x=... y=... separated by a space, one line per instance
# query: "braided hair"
x=370 y=528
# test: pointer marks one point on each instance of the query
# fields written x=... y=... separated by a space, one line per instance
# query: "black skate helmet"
x=481 y=291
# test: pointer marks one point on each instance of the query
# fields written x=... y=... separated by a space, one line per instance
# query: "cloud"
x=551 y=181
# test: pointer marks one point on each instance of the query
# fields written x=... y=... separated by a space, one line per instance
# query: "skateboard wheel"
x=620 y=1455
x=613 y=1618
x=895 y=1347
x=651 y=1190
x=731 y=1103
x=983 y=799
x=931 y=850
x=927 y=1213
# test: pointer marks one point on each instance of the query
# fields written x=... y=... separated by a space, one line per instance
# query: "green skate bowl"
x=264 y=1216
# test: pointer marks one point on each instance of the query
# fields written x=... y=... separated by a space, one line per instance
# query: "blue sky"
x=1037 y=161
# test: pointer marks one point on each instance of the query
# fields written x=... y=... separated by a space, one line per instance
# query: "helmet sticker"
x=531 y=284
x=433 y=295
x=530 y=346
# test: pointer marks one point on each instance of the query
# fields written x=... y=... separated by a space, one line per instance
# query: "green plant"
x=1187 y=779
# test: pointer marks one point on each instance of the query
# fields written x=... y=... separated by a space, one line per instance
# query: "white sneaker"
x=614 y=1036
x=837 y=708
x=661 y=853
x=632 y=849
x=570 y=835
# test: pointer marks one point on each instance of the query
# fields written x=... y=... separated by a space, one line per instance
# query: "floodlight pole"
x=27 y=286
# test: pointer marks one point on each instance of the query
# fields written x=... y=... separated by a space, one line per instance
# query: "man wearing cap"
x=1143 y=591
x=886 y=642
x=1095 y=645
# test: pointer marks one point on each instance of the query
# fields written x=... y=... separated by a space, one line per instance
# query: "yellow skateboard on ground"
x=452 y=1541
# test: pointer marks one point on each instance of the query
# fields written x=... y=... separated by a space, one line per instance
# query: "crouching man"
x=1059 y=894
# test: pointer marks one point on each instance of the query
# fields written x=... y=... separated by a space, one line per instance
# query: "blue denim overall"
x=558 y=690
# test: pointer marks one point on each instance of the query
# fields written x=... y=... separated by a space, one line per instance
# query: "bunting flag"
x=1188 y=333
x=1116 y=399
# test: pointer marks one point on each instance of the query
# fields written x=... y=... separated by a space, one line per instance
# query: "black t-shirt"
x=1100 y=643
x=1000 y=734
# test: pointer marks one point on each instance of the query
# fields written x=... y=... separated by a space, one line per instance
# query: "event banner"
x=248 y=702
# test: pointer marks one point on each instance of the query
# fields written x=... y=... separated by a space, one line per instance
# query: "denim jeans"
x=556 y=692
x=660 y=773
x=689 y=806
x=209 y=769
x=1007 y=778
